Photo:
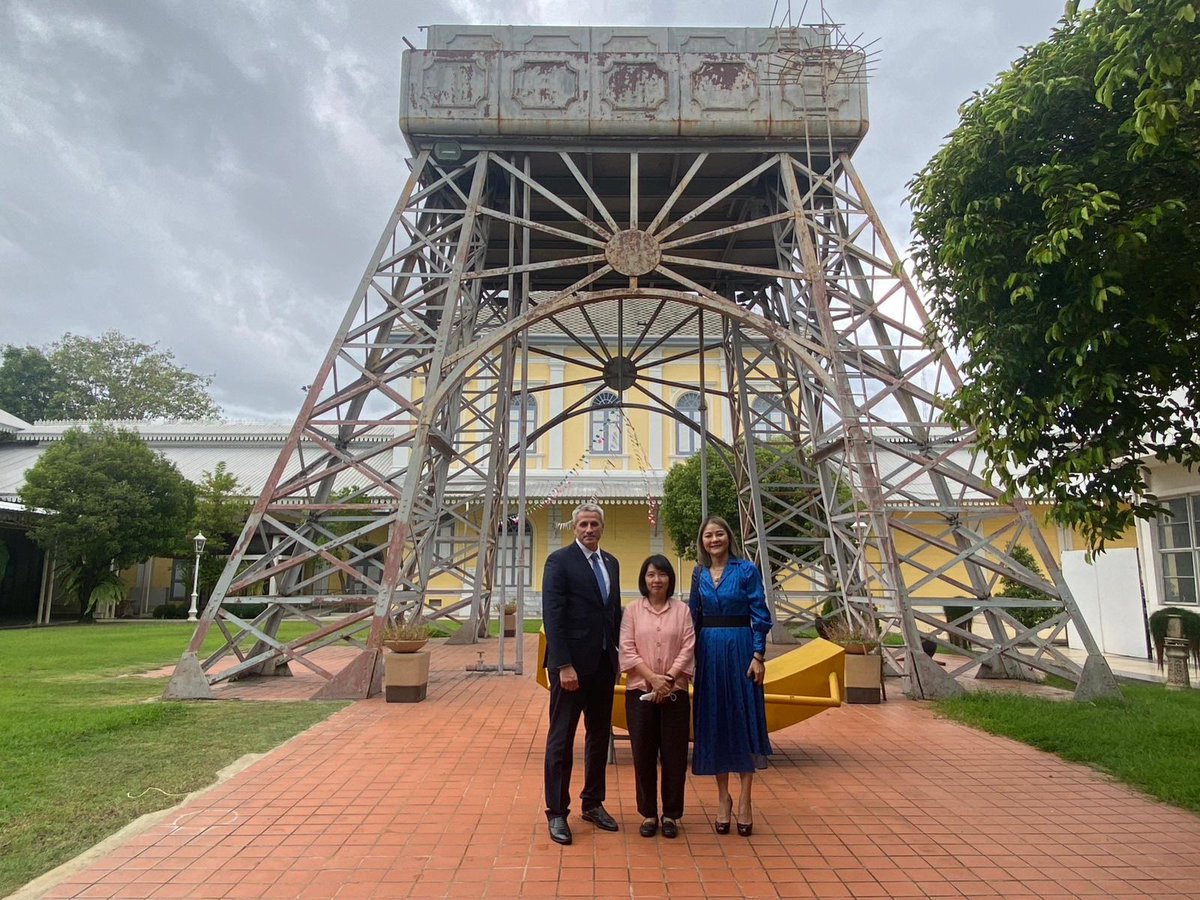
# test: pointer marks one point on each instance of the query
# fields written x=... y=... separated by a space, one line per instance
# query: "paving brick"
x=444 y=799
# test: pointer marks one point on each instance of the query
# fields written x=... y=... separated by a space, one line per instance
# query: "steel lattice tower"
x=645 y=195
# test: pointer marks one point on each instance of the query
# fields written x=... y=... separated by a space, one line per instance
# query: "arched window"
x=687 y=440
x=606 y=424
x=508 y=549
x=514 y=420
x=768 y=417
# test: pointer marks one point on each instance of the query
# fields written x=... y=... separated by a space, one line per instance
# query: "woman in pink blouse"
x=658 y=654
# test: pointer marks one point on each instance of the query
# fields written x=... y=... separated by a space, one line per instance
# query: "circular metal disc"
x=633 y=252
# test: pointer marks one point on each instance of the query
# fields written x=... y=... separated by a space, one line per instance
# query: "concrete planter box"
x=864 y=678
x=405 y=676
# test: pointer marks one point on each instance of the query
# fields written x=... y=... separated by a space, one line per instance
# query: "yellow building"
x=619 y=458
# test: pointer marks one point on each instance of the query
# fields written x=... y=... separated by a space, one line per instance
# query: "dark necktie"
x=603 y=592
x=596 y=570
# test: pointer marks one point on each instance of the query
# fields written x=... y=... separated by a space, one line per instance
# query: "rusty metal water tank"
x=775 y=87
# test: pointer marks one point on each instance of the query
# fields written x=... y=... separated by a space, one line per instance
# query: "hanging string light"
x=643 y=463
x=561 y=486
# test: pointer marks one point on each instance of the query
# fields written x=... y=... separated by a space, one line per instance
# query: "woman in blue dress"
x=729 y=608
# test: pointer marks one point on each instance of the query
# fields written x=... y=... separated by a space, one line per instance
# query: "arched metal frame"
x=771 y=266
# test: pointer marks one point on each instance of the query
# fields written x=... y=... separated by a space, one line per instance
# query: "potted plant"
x=510 y=619
x=1191 y=631
x=849 y=635
x=402 y=637
x=864 y=663
x=406 y=668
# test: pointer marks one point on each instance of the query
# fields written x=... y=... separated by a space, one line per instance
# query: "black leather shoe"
x=599 y=817
x=560 y=831
x=670 y=828
x=649 y=828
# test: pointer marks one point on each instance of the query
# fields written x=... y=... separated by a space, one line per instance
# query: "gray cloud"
x=214 y=176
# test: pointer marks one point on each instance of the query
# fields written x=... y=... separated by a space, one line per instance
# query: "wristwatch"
x=760 y=657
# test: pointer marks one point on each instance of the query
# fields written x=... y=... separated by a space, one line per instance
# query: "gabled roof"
x=10 y=424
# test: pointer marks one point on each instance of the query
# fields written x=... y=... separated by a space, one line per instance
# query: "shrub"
x=244 y=610
x=180 y=610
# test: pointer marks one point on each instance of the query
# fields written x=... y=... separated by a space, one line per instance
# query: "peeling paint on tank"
x=542 y=82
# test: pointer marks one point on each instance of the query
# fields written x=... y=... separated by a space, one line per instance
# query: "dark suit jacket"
x=578 y=621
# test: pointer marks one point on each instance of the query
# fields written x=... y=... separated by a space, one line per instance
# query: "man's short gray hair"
x=587 y=508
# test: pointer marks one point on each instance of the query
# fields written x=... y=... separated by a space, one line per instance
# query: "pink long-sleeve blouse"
x=664 y=640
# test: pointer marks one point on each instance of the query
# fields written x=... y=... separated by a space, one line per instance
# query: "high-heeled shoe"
x=723 y=827
x=745 y=829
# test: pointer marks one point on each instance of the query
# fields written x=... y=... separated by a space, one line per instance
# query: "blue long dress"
x=730 y=715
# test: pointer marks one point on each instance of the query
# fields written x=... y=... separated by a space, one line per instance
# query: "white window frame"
x=605 y=420
x=506 y=555
x=1183 y=544
x=688 y=440
x=531 y=421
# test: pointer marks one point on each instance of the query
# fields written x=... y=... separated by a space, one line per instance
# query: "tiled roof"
x=248 y=449
x=10 y=423
x=166 y=430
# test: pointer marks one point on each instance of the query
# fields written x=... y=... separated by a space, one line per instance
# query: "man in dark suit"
x=581 y=612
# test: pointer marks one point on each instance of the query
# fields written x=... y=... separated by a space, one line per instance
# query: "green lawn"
x=86 y=747
x=1148 y=742
x=445 y=627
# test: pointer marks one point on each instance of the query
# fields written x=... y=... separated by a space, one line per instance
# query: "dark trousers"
x=594 y=700
x=658 y=733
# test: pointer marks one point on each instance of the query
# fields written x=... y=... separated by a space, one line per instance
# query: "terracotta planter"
x=405 y=646
x=510 y=624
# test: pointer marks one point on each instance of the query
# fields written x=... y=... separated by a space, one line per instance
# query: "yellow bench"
x=798 y=685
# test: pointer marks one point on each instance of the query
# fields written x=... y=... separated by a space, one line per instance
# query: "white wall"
x=1108 y=591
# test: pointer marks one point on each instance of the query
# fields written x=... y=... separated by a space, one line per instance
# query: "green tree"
x=116 y=377
x=1059 y=231
x=1031 y=616
x=28 y=384
x=786 y=491
x=222 y=507
x=108 y=501
x=682 y=496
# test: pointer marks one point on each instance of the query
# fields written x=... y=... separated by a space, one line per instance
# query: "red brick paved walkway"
x=443 y=799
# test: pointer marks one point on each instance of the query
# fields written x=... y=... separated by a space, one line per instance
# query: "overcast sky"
x=213 y=176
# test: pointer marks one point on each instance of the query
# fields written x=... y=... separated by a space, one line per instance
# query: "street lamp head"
x=199 y=540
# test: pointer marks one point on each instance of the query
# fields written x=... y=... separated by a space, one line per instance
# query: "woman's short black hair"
x=663 y=564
